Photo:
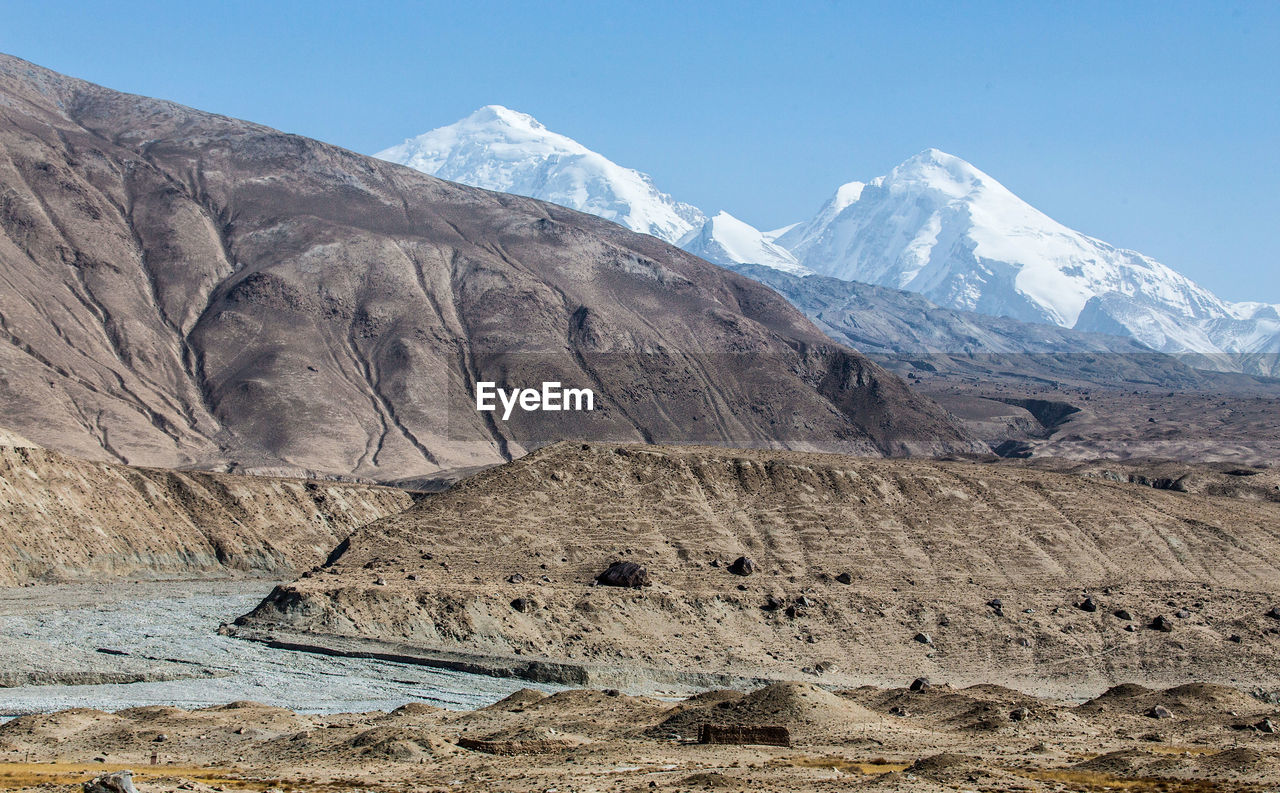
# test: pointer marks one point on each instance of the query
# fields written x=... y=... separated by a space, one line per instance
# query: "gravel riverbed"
x=163 y=635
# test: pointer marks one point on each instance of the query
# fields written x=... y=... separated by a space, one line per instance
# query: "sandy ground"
x=980 y=738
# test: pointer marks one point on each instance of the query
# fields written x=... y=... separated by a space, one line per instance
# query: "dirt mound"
x=1240 y=759
x=71 y=519
x=517 y=701
x=950 y=767
x=416 y=710
x=1191 y=700
x=397 y=744
x=574 y=740
x=865 y=571
x=1131 y=763
x=1119 y=693
x=63 y=722
x=576 y=712
x=811 y=714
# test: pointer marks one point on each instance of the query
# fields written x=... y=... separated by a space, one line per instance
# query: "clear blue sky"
x=1154 y=126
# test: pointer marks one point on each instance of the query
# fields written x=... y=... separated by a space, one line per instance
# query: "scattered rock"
x=624 y=574
x=1123 y=614
x=898 y=710
x=995 y=603
x=845 y=578
x=1163 y=624
x=1274 y=613
x=1182 y=614
x=515 y=578
x=803 y=602
x=1019 y=714
x=743 y=565
x=1235 y=638
x=1088 y=604
x=380 y=582
x=772 y=603
x=1024 y=642
x=920 y=684
x=117 y=782
x=1159 y=712
x=1267 y=726
x=522 y=605
x=923 y=638
x=161 y=738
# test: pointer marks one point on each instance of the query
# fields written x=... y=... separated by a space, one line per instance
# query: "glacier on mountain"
x=938 y=226
x=726 y=240
x=501 y=149
x=935 y=225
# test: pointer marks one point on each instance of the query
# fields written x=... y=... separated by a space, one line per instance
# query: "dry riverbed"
x=124 y=645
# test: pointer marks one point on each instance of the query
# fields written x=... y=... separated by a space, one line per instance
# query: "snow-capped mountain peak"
x=939 y=226
x=935 y=224
x=502 y=149
x=936 y=170
x=497 y=113
x=726 y=240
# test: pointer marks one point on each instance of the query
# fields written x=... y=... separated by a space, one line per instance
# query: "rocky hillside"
x=907 y=329
x=861 y=571
x=185 y=289
x=70 y=519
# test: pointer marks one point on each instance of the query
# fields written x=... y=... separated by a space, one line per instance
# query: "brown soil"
x=71 y=519
x=926 y=546
x=606 y=741
x=1236 y=424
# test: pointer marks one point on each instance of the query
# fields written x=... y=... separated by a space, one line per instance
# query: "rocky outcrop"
x=69 y=519
x=929 y=546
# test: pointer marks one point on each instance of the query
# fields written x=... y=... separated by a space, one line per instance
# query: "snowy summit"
x=935 y=225
x=939 y=226
x=501 y=149
x=726 y=240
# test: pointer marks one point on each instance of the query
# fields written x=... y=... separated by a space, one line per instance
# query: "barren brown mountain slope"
x=867 y=570
x=180 y=288
x=62 y=518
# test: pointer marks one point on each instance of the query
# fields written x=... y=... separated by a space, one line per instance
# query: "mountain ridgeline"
x=935 y=225
x=186 y=289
